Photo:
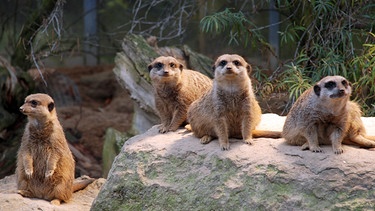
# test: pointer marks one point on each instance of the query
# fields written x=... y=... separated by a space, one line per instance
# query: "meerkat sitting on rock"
x=45 y=164
x=324 y=114
x=175 y=88
x=229 y=108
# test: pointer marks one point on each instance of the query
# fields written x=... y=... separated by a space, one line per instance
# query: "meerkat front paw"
x=163 y=129
x=206 y=139
x=316 y=149
x=248 y=141
x=173 y=127
x=224 y=144
x=29 y=173
x=338 y=150
x=306 y=146
x=56 y=202
x=24 y=193
x=49 y=173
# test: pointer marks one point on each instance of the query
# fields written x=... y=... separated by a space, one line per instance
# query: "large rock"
x=174 y=171
x=80 y=201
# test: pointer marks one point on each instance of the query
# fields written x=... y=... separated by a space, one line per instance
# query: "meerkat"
x=229 y=108
x=324 y=114
x=45 y=165
x=175 y=88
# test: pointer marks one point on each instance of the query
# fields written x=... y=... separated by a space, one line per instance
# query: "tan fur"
x=175 y=88
x=229 y=109
x=324 y=114
x=45 y=165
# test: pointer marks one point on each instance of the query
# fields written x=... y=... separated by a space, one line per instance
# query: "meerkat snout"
x=32 y=103
x=341 y=92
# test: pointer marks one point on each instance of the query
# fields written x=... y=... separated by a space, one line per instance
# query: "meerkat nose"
x=342 y=91
x=21 y=108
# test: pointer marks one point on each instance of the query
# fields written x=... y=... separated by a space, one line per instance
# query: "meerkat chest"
x=40 y=151
x=232 y=104
x=329 y=119
x=167 y=91
x=40 y=134
x=41 y=148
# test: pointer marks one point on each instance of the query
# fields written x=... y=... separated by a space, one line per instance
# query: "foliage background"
x=333 y=37
x=318 y=37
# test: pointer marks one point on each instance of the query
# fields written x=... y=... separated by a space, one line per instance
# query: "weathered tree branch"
x=37 y=21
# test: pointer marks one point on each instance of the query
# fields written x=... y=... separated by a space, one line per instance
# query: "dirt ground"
x=89 y=100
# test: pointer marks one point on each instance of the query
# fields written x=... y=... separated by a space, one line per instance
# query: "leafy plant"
x=329 y=37
x=240 y=28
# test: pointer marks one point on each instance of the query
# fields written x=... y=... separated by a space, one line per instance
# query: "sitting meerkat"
x=175 y=88
x=45 y=164
x=324 y=114
x=229 y=108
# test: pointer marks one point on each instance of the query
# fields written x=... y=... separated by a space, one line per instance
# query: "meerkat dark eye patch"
x=51 y=106
x=330 y=85
x=159 y=65
x=223 y=63
x=34 y=103
x=172 y=65
x=345 y=83
x=237 y=63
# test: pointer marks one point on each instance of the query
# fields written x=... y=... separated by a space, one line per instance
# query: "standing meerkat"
x=175 y=88
x=45 y=165
x=229 y=108
x=324 y=114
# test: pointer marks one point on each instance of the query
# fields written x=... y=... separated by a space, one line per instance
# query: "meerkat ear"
x=181 y=66
x=51 y=106
x=317 y=90
x=249 y=69
x=149 y=67
x=213 y=68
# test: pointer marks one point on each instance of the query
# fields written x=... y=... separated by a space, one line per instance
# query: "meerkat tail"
x=81 y=184
x=266 y=134
x=362 y=141
x=371 y=138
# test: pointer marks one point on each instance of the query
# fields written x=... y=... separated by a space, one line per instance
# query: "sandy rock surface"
x=11 y=201
x=174 y=171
